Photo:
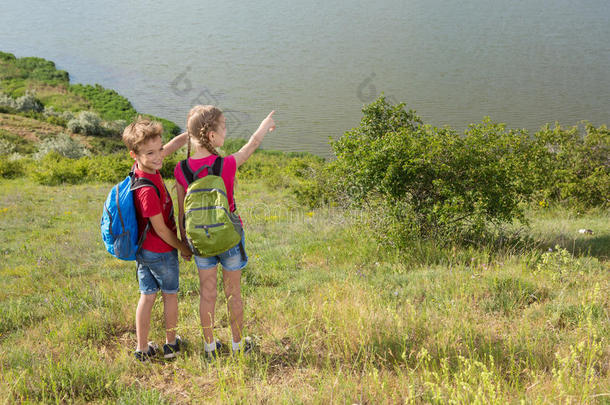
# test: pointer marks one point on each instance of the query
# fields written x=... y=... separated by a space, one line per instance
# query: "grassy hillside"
x=52 y=89
x=335 y=318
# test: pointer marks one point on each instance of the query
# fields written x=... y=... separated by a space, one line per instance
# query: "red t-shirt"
x=148 y=204
x=229 y=168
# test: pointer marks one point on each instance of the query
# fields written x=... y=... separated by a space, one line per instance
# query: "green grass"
x=335 y=318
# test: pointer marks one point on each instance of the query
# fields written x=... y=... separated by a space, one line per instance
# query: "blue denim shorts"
x=231 y=260
x=157 y=271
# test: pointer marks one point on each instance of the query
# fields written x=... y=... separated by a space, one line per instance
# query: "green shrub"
x=87 y=123
x=29 y=102
x=7 y=102
x=108 y=103
x=431 y=181
x=109 y=168
x=12 y=168
x=232 y=145
x=169 y=128
x=54 y=169
x=573 y=167
x=310 y=180
x=63 y=145
x=55 y=120
x=7 y=57
x=34 y=68
x=56 y=117
x=106 y=146
x=42 y=70
x=25 y=103
x=559 y=262
x=169 y=163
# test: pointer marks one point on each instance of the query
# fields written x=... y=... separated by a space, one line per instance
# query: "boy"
x=157 y=259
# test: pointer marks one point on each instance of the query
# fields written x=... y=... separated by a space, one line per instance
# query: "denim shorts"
x=231 y=260
x=157 y=271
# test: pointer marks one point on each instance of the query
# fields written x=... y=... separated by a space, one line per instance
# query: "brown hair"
x=141 y=131
x=200 y=121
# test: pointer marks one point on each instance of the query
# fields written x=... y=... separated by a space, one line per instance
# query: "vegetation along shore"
x=419 y=265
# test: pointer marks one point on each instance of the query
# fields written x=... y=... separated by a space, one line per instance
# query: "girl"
x=206 y=126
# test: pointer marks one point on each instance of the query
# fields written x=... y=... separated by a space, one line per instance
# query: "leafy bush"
x=42 y=70
x=108 y=168
x=169 y=163
x=106 y=146
x=310 y=180
x=114 y=128
x=63 y=145
x=55 y=169
x=430 y=181
x=54 y=117
x=25 y=103
x=29 y=102
x=110 y=104
x=87 y=123
x=559 y=262
x=7 y=101
x=572 y=167
x=11 y=168
x=33 y=68
x=231 y=146
x=7 y=57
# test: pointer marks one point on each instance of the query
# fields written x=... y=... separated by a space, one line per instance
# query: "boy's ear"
x=132 y=154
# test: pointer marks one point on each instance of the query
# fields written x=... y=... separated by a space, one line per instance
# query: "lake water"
x=523 y=62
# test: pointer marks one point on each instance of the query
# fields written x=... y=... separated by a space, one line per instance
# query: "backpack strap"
x=188 y=174
x=137 y=183
x=202 y=168
x=217 y=166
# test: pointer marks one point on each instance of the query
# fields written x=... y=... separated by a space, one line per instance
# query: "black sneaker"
x=246 y=346
x=216 y=352
x=144 y=357
x=171 y=351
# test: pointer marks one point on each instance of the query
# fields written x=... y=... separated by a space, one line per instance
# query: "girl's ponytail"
x=200 y=121
x=188 y=147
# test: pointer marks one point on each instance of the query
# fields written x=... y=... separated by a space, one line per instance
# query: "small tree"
x=431 y=181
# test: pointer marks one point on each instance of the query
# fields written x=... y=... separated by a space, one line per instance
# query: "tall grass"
x=336 y=318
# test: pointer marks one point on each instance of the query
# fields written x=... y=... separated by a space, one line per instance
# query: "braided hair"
x=201 y=120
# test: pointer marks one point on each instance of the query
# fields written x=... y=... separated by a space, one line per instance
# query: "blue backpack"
x=119 y=223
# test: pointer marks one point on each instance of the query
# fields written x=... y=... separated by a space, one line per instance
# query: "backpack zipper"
x=206 y=227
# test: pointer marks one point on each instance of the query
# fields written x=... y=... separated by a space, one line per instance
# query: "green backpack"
x=211 y=228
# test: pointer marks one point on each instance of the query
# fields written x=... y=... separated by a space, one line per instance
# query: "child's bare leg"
x=235 y=304
x=170 y=313
x=207 y=302
x=143 y=312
